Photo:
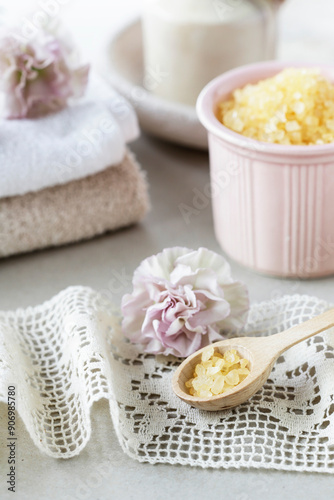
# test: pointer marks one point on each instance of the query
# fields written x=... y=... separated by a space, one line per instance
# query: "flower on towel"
x=183 y=300
x=38 y=75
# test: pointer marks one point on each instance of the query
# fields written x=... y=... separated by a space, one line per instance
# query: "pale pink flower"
x=39 y=75
x=183 y=300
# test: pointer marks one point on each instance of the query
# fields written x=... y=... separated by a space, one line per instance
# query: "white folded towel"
x=80 y=140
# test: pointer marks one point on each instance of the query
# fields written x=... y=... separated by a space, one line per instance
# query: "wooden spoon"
x=262 y=352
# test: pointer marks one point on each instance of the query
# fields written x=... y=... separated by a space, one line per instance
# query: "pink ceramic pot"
x=273 y=205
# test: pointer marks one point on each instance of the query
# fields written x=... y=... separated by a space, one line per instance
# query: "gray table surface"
x=102 y=471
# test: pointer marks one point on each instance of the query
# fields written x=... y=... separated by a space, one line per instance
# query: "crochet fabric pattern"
x=70 y=351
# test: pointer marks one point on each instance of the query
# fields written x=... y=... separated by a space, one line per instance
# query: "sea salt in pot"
x=189 y=42
x=273 y=203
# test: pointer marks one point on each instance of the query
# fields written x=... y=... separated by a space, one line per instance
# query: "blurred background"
x=306 y=26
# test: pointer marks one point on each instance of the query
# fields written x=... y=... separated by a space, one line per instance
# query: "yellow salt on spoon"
x=261 y=353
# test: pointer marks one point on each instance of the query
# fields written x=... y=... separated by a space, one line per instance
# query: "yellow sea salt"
x=294 y=107
x=217 y=373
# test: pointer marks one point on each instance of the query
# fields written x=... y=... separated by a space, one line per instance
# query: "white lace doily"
x=69 y=352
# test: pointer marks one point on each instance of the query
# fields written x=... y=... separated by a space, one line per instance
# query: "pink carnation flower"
x=183 y=300
x=39 y=75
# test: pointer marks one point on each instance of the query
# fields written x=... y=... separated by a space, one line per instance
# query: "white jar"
x=189 y=42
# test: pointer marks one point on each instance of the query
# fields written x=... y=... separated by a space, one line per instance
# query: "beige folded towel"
x=113 y=198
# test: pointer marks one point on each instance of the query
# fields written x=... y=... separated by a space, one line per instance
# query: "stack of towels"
x=69 y=176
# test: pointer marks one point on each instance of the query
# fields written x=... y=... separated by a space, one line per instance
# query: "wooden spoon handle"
x=284 y=340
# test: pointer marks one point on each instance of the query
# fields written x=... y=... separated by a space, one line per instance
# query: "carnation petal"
x=237 y=296
x=216 y=312
x=38 y=76
x=183 y=346
x=206 y=259
x=160 y=265
x=182 y=300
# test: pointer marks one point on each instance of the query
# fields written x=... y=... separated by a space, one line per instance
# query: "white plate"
x=164 y=119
